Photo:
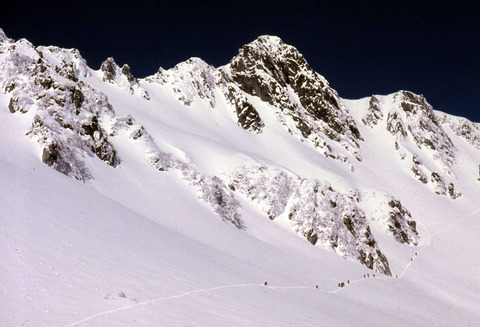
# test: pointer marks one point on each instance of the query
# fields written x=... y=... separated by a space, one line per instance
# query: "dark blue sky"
x=361 y=47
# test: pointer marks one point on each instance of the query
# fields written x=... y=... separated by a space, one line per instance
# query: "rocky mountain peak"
x=270 y=46
x=278 y=74
x=109 y=68
x=272 y=56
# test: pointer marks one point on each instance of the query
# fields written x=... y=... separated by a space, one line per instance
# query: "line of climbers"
x=342 y=284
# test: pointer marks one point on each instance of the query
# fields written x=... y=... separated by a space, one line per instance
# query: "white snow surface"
x=134 y=246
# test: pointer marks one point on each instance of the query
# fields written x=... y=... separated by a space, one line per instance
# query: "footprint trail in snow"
x=197 y=291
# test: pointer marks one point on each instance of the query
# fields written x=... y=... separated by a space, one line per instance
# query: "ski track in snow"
x=130 y=306
x=202 y=290
x=143 y=303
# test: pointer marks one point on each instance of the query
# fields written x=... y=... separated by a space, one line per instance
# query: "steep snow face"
x=73 y=120
x=4 y=37
x=256 y=170
x=209 y=189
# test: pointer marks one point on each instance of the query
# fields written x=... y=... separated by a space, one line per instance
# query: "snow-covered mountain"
x=200 y=183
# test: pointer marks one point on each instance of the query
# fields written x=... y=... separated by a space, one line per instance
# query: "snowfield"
x=172 y=200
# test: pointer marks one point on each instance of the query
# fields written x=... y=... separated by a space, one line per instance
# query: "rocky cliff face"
x=71 y=120
x=304 y=102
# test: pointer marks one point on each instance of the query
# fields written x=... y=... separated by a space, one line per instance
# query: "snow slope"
x=155 y=235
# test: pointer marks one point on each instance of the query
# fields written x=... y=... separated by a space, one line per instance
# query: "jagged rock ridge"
x=278 y=75
x=73 y=120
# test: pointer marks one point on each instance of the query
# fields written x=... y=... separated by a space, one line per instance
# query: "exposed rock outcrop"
x=122 y=77
x=318 y=212
x=374 y=112
x=67 y=123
